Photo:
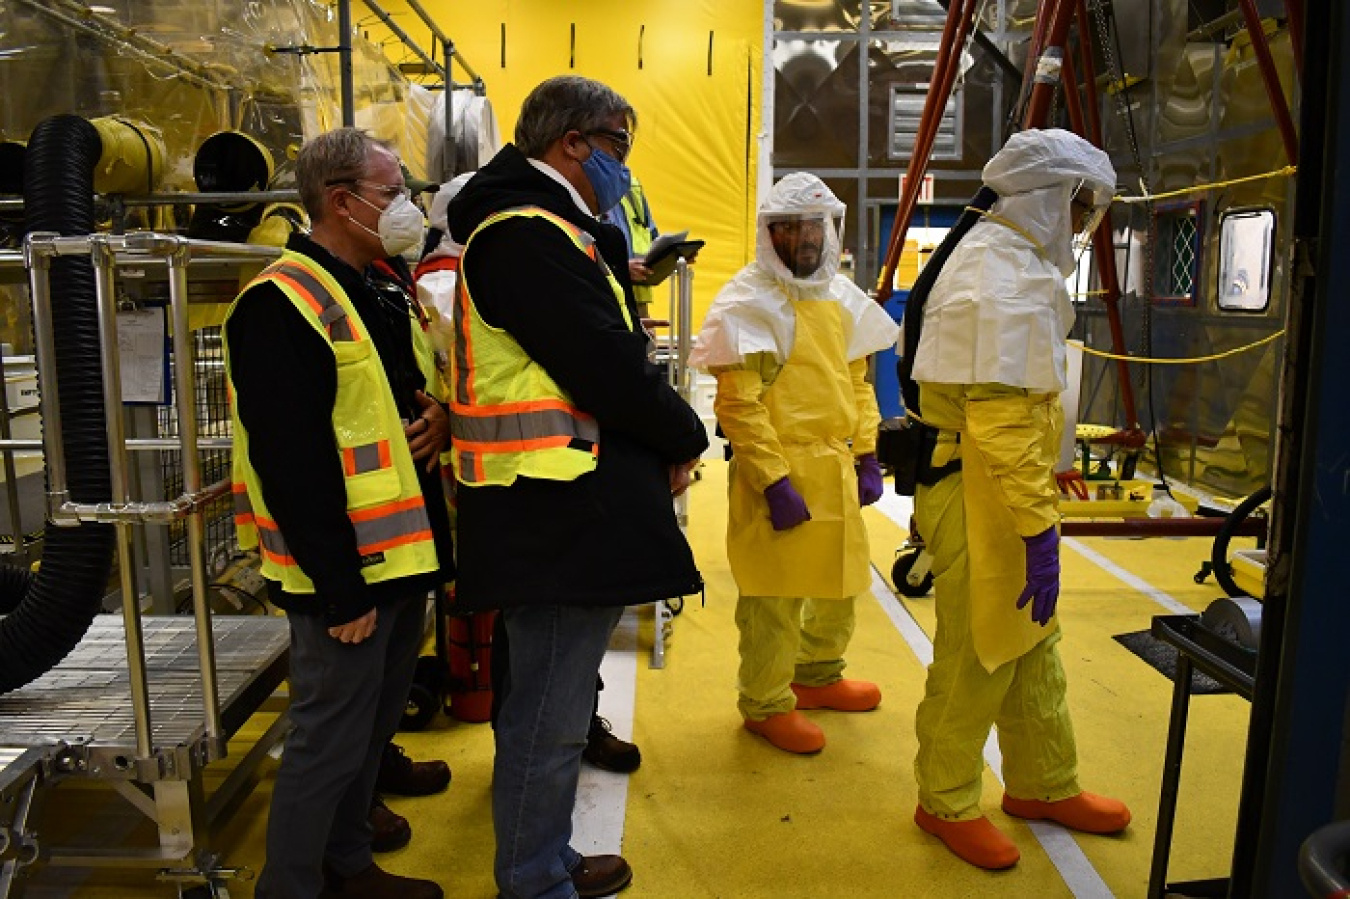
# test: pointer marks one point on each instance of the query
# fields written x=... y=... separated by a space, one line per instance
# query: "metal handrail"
x=107 y=251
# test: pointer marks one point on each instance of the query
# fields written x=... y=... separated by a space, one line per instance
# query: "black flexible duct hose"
x=1218 y=555
x=60 y=602
x=14 y=584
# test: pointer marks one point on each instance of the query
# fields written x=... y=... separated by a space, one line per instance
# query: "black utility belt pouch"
x=911 y=457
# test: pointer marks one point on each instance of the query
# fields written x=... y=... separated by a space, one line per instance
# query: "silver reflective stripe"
x=365 y=458
x=242 y=504
x=461 y=342
x=370 y=535
x=333 y=317
x=404 y=523
x=273 y=542
x=331 y=314
x=517 y=426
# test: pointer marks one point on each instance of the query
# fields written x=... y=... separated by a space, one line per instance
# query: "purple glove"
x=1042 y=589
x=870 y=484
x=787 y=509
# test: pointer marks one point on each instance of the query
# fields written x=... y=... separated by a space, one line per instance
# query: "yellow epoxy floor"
x=716 y=812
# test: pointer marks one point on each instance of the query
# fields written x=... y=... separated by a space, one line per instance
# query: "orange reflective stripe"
x=516 y=446
x=385 y=509
x=464 y=391
x=243 y=506
x=288 y=561
x=309 y=287
x=299 y=288
x=365 y=458
x=394 y=542
x=518 y=407
x=377 y=529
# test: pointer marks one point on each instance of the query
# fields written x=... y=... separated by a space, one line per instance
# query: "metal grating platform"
x=87 y=698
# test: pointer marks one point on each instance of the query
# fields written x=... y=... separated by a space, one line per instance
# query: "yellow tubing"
x=133 y=157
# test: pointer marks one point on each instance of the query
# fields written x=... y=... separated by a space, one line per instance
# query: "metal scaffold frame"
x=191 y=683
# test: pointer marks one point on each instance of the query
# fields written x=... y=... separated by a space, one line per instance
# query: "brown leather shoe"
x=601 y=875
x=607 y=752
x=401 y=776
x=392 y=831
x=374 y=883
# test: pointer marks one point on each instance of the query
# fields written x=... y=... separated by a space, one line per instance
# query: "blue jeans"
x=346 y=702
x=541 y=731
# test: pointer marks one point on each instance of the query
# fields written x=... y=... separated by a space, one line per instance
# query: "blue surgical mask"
x=610 y=179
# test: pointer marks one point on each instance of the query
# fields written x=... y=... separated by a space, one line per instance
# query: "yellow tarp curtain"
x=696 y=146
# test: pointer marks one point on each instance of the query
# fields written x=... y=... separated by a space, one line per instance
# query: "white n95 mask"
x=401 y=226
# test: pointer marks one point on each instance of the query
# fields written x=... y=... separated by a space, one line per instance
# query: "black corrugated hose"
x=61 y=600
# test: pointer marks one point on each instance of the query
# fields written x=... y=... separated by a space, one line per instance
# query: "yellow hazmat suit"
x=990 y=369
x=790 y=355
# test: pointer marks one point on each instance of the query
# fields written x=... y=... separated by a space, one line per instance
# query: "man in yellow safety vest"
x=567 y=445
x=337 y=436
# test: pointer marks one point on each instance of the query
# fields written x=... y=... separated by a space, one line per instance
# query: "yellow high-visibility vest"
x=509 y=419
x=384 y=499
x=635 y=210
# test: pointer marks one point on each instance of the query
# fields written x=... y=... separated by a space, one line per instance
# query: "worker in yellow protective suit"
x=788 y=339
x=990 y=367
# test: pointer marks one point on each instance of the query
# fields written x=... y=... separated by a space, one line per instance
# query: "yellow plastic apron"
x=813 y=413
x=1000 y=631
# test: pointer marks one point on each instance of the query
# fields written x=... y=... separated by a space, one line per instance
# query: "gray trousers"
x=346 y=702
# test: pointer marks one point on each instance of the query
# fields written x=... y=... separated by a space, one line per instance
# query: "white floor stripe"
x=602 y=796
x=1063 y=850
x=897 y=508
x=909 y=629
x=1133 y=580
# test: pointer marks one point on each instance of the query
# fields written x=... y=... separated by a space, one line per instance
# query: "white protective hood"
x=999 y=311
x=440 y=203
x=753 y=312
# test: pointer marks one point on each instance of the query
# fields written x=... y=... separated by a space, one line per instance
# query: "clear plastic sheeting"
x=473 y=126
x=191 y=69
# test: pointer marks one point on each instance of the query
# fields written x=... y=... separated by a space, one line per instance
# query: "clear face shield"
x=1087 y=211
x=805 y=242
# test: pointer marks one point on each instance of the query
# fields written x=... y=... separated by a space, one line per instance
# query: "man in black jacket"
x=305 y=454
x=588 y=527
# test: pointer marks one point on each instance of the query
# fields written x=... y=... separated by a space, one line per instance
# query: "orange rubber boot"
x=843 y=696
x=790 y=731
x=1087 y=812
x=976 y=841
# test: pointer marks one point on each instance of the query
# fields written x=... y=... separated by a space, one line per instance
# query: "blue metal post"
x=1292 y=772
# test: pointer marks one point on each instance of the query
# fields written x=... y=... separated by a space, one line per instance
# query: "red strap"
x=439 y=264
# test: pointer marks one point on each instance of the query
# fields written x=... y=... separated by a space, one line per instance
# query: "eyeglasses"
x=621 y=141
x=390 y=192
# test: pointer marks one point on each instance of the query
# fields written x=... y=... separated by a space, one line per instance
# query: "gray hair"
x=563 y=104
x=339 y=155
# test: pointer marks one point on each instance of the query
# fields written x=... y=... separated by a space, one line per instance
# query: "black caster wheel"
x=900 y=572
x=421 y=708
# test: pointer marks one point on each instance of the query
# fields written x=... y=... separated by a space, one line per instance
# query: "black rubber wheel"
x=421 y=708
x=900 y=571
x=1223 y=572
